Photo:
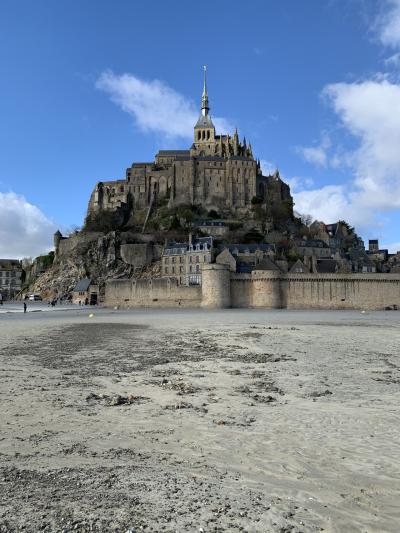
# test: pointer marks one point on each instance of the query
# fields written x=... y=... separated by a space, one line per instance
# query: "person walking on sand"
x=25 y=306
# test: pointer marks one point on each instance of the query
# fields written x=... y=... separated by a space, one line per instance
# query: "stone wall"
x=162 y=292
x=316 y=291
x=140 y=255
x=261 y=289
x=76 y=243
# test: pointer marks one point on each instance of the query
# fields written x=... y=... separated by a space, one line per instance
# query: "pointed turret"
x=236 y=142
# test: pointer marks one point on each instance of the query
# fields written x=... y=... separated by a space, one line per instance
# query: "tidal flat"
x=200 y=421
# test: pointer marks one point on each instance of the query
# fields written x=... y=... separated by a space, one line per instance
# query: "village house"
x=215 y=228
x=85 y=292
x=183 y=260
x=313 y=247
x=10 y=278
x=244 y=257
x=375 y=253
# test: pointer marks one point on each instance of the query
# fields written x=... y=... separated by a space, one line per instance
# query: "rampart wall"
x=261 y=289
x=158 y=292
x=325 y=291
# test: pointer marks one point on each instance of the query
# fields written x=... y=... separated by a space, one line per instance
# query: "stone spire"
x=236 y=143
x=204 y=97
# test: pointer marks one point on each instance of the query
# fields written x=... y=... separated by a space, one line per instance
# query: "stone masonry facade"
x=216 y=172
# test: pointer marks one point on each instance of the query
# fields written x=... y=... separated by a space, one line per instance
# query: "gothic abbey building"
x=217 y=172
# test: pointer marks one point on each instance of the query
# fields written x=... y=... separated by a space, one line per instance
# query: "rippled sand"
x=236 y=420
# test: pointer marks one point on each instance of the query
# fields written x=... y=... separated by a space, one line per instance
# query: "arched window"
x=198 y=135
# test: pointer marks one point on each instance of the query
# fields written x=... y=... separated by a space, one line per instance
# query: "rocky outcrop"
x=97 y=256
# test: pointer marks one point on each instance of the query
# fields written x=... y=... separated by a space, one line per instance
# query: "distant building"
x=373 y=245
x=244 y=257
x=10 y=278
x=313 y=247
x=215 y=228
x=183 y=260
x=299 y=268
x=378 y=255
x=85 y=292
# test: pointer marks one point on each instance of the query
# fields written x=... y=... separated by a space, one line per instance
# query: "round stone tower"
x=215 y=286
x=57 y=238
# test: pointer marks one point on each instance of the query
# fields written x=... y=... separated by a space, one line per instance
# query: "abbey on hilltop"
x=217 y=172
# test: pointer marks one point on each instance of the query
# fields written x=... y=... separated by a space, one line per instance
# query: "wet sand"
x=190 y=420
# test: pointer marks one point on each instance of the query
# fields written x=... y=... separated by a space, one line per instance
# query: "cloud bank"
x=368 y=110
x=24 y=230
x=388 y=25
x=154 y=105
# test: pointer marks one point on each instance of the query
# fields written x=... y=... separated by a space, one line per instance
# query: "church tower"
x=204 y=130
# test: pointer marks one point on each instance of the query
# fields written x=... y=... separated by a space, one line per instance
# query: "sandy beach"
x=199 y=421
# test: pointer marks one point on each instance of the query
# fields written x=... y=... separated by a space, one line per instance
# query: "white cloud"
x=316 y=155
x=328 y=204
x=298 y=184
x=154 y=105
x=388 y=24
x=24 y=230
x=370 y=112
x=267 y=167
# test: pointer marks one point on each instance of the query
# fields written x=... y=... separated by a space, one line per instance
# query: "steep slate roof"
x=183 y=247
x=173 y=152
x=244 y=268
x=204 y=122
x=373 y=252
x=248 y=248
x=327 y=266
x=299 y=265
x=267 y=264
x=313 y=243
x=9 y=264
x=82 y=285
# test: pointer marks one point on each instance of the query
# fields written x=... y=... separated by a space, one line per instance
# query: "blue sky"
x=89 y=86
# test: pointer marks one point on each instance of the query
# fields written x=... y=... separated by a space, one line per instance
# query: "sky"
x=89 y=86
